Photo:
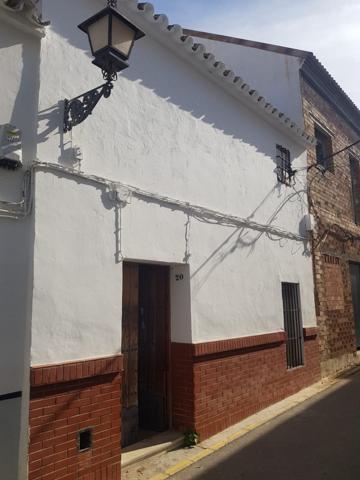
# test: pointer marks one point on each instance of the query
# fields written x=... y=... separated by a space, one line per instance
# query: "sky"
x=328 y=28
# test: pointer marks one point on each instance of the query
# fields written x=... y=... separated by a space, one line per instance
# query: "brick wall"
x=182 y=386
x=217 y=384
x=330 y=199
x=65 y=399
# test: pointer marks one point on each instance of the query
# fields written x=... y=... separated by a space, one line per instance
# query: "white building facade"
x=144 y=272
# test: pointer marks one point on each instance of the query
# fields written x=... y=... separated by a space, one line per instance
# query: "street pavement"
x=317 y=440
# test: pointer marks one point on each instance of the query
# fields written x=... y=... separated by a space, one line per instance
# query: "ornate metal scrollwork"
x=78 y=109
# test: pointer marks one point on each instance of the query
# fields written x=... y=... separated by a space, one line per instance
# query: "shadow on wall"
x=20 y=105
x=108 y=203
x=66 y=15
x=155 y=68
x=240 y=237
x=20 y=79
x=152 y=66
x=246 y=239
x=64 y=20
x=199 y=96
x=26 y=103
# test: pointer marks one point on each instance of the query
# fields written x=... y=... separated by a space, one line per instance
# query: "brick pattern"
x=65 y=399
x=310 y=332
x=66 y=372
x=332 y=251
x=334 y=285
x=209 y=348
x=182 y=386
x=216 y=390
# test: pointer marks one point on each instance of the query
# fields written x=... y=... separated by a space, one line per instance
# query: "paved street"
x=320 y=439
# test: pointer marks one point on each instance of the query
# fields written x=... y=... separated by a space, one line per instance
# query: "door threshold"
x=159 y=443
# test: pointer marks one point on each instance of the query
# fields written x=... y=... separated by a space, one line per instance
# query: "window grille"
x=285 y=173
x=355 y=188
x=323 y=149
x=293 y=325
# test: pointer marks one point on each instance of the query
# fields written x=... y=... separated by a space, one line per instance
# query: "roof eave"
x=269 y=47
x=320 y=79
x=172 y=37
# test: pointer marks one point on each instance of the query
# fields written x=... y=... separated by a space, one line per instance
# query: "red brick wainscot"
x=75 y=423
x=217 y=384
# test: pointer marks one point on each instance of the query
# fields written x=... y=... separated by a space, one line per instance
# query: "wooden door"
x=130 y=351
x=153 y=347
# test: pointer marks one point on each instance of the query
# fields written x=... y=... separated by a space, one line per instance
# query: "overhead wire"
x=17 y=210
x=335 y=229
x=199 y=212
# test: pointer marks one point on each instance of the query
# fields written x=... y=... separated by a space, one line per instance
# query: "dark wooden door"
x=355 y=284
x=130 y=351
x=153 y=347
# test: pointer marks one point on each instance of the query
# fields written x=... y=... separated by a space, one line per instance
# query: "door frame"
x=168 y=376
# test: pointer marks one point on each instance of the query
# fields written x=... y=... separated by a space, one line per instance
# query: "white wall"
x=19 y=84
x=19 y=60
x=77 y=294
x=274 y=75
x=167 y=129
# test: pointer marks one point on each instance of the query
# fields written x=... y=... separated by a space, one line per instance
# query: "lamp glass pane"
x=99 y=33
x=122 y=37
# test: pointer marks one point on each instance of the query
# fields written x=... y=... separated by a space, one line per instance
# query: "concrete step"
x=160 y=443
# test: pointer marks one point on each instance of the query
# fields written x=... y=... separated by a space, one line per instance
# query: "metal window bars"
x=285 y=173
x=293 y=325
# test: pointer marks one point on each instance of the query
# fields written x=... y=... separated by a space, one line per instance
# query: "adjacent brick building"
x=334 y=202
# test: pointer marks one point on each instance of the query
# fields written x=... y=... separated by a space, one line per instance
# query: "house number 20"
x=179 y=277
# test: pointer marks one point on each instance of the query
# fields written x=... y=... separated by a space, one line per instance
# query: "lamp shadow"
x=152 y=68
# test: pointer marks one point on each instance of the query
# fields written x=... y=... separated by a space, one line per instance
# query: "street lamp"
x=111 y=38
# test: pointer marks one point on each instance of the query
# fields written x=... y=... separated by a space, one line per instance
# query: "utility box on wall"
x=10 y=147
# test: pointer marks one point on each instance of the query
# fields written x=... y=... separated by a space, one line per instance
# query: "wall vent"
x=85 y=440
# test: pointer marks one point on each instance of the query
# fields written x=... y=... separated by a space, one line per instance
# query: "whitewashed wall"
x=275 y=75
x=19 y=60
x=19 y=84
x=169 y=130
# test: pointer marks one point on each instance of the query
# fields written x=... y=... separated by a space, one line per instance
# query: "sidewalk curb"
x=252 y=423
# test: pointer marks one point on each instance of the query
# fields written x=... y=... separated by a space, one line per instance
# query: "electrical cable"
x=333 y=229
x=340 y=151
x=198 y=212
x=321 y=168
x=17 y=210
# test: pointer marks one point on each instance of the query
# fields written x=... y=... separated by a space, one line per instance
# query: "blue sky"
x=328 y=28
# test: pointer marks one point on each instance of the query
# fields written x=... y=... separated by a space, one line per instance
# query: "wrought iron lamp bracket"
x=78 y=109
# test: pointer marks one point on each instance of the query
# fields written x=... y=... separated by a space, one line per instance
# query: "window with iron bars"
x=285 y=173
x=293 y=325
